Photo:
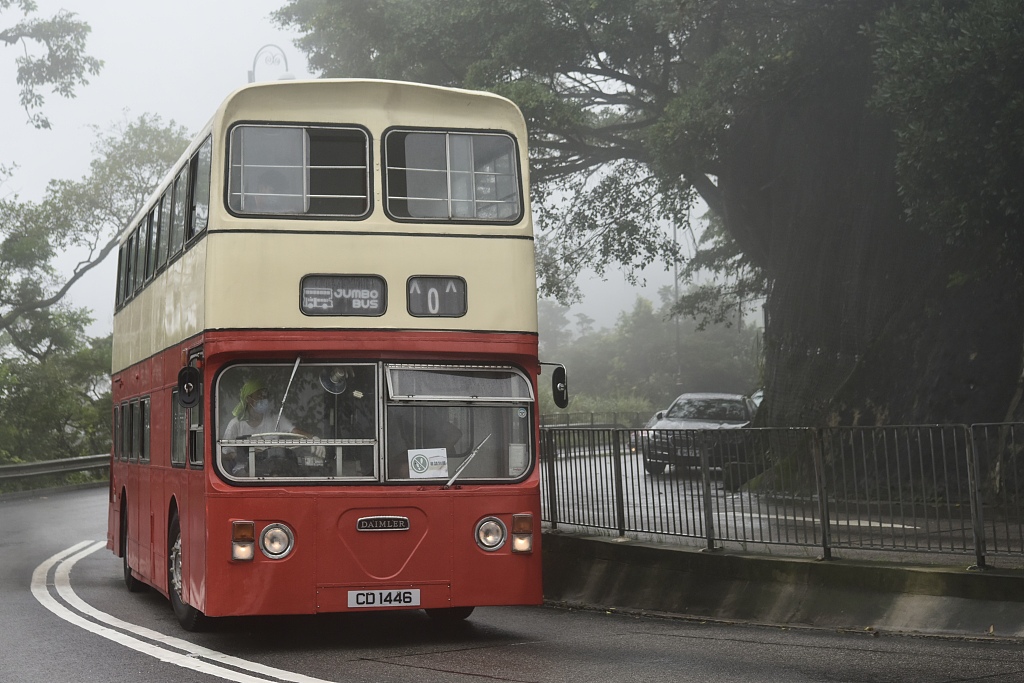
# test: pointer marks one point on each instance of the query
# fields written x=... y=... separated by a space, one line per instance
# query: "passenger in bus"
x=254 y=414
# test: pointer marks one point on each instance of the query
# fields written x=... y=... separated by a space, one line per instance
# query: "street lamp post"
x=272 y=58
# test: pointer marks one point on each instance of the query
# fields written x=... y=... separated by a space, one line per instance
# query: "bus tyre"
x=449 y=615
x=188 y=616
x=133 y=584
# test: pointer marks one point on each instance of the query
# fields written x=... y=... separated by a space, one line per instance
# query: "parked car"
x=677 y=435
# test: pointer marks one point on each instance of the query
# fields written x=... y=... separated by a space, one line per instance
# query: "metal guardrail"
x=924 y=489
x=66 y=466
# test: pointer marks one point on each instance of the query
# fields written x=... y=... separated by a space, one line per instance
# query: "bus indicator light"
x=522 y=533
x=243 y=536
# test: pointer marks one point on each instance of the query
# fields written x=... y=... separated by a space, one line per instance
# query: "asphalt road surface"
x=66 y=616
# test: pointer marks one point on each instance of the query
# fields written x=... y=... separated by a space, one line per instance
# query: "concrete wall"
x=604 y=572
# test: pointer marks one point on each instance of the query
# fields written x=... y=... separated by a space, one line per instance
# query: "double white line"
x=74 y=610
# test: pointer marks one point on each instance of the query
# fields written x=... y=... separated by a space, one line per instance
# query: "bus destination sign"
x=358 y=295
x=437 y=297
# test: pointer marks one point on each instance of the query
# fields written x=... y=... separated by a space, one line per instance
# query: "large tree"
x=821 y=133
x=54 y=389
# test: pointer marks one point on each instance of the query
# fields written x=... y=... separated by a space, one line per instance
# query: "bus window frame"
x=179 y=212
x=303 y=126
x=140 y=256
x=125 y=430
x=145 y=446
x=457 y=131
x=194 y=445
x=163 y=243
x=192 y=232
x=152 y=222
x=136 y=431
x=115 y=444
x=179 y=437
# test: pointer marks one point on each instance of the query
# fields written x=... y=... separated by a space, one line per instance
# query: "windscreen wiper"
x=466 y=462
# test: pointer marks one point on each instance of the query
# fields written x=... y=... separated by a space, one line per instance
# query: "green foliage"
x=54 y=393
x=797 y=122
x=52 y=55
x=951 y=76
x=55 y=396
x=86 y=215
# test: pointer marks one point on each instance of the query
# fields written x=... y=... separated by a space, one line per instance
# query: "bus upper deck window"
x=307 y=171
x=452 y=176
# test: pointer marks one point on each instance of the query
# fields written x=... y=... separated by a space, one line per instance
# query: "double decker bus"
x=325 y=359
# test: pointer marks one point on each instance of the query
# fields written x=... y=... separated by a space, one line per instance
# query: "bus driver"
x=254 y=415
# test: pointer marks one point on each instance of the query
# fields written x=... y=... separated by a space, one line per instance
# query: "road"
x=81 y=625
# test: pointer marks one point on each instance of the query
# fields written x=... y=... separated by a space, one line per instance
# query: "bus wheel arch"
x=190 y=618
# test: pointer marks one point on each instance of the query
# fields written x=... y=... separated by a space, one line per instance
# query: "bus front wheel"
x=188 y=616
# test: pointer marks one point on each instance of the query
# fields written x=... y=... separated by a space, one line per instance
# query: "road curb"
x=605 y=572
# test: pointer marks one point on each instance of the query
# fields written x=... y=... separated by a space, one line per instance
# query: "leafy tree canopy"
x=86 y=215
x=52 y=55
x=863 y=156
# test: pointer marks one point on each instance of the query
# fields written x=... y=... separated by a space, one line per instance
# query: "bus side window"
x=165 y=229
x=140 y=255
x=129 y=267
x=116 y=441
x=177 y=431
x=195 y=436
x=133 y=454
x=177 y=234
x=119 y=294
x=154 y=232
x=126 y=430
x=199 y=177
x=144 y=452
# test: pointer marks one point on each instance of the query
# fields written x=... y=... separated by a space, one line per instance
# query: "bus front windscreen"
x=365 y=422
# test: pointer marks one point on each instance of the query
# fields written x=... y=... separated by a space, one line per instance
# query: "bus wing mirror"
x=189 y=381
x=559 y=387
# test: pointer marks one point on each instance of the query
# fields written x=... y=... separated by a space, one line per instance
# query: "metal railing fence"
x=41 y=468
x=950 y=489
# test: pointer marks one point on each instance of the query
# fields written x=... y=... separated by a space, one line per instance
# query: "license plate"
x=409 y=597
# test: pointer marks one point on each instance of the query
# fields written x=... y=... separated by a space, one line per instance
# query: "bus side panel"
x=263 y=585
x=499 y=577
x=143 y=527
x=195 y=523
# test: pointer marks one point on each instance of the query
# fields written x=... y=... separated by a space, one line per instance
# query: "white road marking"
x=164 y=648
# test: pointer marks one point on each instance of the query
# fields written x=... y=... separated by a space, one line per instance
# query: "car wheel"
x=654 y=467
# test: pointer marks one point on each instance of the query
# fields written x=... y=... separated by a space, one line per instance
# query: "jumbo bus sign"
x=356 y=295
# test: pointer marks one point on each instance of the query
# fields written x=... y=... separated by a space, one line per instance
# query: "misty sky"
x=178 y=60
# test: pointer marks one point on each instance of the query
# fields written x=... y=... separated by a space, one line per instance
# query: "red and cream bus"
x=325 y=359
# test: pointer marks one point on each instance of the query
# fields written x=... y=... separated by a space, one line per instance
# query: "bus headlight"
x=522 y=533
x=490 y=533
x=277 y=541
x=243 y=540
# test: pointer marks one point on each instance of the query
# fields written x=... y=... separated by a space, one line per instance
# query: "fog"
x=178 y=60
